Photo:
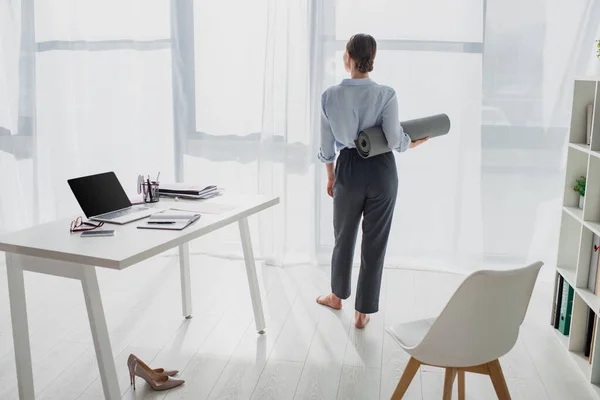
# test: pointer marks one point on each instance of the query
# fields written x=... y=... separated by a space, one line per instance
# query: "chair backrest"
x=481 y=321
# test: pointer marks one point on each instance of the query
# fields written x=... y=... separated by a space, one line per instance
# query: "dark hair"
x=362 y=49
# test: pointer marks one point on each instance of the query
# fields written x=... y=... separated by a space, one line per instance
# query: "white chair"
x=479 y=325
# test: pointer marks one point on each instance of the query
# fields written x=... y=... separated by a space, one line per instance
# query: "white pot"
x=581 y=201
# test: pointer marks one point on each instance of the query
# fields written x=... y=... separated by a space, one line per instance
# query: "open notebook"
x=172 y=220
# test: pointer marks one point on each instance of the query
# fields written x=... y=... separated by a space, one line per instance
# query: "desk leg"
x=18 y=313
x=186 y=285
x=259 y=316
x=106 y=362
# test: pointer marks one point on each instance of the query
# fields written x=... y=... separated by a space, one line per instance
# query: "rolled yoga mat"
x=371 y=142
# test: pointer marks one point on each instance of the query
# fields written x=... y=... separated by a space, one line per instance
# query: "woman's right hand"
x=418 y=142
x=330 y=183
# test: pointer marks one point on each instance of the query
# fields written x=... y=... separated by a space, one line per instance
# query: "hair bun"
x=365 y=65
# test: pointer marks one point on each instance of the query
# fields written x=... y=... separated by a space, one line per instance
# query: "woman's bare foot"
x=331 y=300
x=361 y=320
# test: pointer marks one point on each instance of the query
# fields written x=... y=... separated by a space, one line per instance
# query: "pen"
x=149 y=188
x=157 y=176
x=161 y=222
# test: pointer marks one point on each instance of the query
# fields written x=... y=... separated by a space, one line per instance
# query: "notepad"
x=172 y=220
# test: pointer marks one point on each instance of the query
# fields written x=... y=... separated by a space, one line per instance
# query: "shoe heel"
x=131 y=366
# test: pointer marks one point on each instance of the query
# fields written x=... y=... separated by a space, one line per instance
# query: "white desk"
x=51 y=249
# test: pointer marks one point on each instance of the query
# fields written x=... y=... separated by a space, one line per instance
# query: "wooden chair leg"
x=461 y=385
x=498 y=380
x=449 y=383
x=407 y=376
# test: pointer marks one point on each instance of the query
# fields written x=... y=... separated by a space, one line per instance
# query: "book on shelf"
x=566 y=307
x=557 y=304
x=596 y=290
x=592 y=276
x=593 y=342
x=589 y=333
x=590 y=114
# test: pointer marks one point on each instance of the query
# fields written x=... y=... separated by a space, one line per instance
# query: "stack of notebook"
x=189 y=191
x=173 y=220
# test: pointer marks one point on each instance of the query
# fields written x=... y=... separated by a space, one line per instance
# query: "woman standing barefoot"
x=360 y=187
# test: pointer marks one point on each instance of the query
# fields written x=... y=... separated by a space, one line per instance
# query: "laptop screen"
x=99 y=194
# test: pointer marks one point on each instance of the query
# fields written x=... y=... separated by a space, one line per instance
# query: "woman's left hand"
x=418 y=142
x=330 y=183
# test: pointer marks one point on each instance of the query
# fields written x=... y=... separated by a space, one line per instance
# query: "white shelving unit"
x=579 y=225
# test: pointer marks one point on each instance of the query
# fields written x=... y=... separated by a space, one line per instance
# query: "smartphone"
x=106 y=232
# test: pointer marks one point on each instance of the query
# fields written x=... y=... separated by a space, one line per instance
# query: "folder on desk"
x=172 y=220
x=189 y=191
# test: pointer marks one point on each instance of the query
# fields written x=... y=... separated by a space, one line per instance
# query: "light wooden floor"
x=309 y=352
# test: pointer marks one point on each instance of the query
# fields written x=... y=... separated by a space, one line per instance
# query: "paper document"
x=170 y=219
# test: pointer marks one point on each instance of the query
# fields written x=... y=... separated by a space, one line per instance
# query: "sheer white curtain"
x=489 y=193
x=253 y=128
x=202 y=91
x=14 y=170
x=88 y=89
x=437 y=222
x=228 y=92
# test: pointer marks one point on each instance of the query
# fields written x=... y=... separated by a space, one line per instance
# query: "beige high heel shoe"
x=157 y=382
x=160 y=371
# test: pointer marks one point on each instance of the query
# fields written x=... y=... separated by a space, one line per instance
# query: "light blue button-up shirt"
x=354 y=105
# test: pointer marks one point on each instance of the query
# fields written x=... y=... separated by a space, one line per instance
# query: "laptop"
x=102 y=198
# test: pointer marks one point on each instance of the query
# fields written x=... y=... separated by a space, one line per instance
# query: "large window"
x=95 y=90
x=431 y=54
x=220 y=90
x=229 y=66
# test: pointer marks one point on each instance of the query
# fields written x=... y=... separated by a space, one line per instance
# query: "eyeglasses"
x=76 y=225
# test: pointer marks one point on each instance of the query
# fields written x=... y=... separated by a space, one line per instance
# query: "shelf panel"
x=593 y=226
x=596 y=390
x=577 y=167
x=582 y=363
x=589 y=298
x=581 y=147
x=595 y=153
x=562 y=339
x=575 y=212
x=568 y=274
x=584 y=95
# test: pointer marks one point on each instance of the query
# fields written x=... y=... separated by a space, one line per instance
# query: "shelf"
x=577 y=167
x=593 y=226
x=568 y=274
x=583 y=363
x=575 y=212
x=596 y=390
x=589 y=298
x=582 y=147
x=578 y=227
x=562 y=339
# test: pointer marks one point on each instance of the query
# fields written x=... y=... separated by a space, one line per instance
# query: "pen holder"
x=150 y=193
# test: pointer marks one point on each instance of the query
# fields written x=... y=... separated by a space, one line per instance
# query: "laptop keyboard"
x=122 y=213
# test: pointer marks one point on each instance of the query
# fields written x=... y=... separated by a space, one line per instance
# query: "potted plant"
x=580 y=188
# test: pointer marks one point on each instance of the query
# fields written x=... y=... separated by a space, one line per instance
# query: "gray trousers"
x=364 y=188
